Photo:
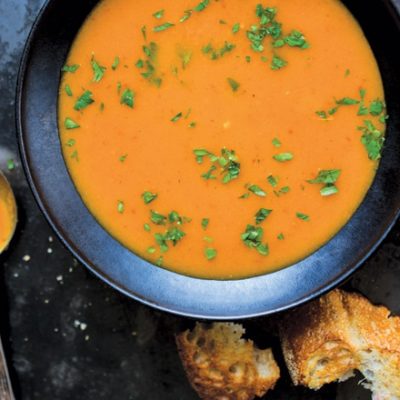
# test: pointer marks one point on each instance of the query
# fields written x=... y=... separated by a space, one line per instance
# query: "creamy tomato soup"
x=221 y=139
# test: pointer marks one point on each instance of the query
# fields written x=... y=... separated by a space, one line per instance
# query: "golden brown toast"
x=221 y=365
x=326 y=340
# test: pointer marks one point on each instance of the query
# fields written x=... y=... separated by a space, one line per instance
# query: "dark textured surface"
x=67 y=335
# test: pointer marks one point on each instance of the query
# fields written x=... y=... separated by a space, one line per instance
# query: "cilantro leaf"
x=261 y=215
x=283 y=157
x=148 y=197
x=98 y=70
x=84 y=100
x=128 y=98
x=70 y=124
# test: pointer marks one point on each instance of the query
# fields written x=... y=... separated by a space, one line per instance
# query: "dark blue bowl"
x=37 y=96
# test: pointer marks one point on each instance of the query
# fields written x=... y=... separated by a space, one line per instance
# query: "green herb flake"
x=177 y=117
x=70 y=143
x=347 y=101
x=252 y=238
x=144 y=32
x=70 y=124
x=215 y=54
x=276 y=142
x=101 y=107
x=376 y=107
x=372 y=139
x=185 y=56
x=210 y=253
x=257 y=190
x=347 y=73
x=115 y=64
x=157 y=218
x=139 y=63
x=201 y=6
x=261 y=215
x=329 y=190
x=248 y=59
x=222 y=22
x=236 y=28
x=147 y=227
x=205 y=222
x=98 y=71
x=148 y=197
x=151 y=250
x=326 y=176
x=121 y=207
x=209 y=174
x=283 y=190
x=233 y=84
x=75 y=155
x=163 y=27
x=192 y=124
x=186 y=16
x=283 y=157
x=303 y=217
x=70 y=68
x=158 y=14
x=322 y=114
x=277 y=63
x=272 y=180
x=68 y=90
x=281 y=236
x=84 y=100
x=296 y=39
x=128 y=98
x=123 y=158
x=10 y=165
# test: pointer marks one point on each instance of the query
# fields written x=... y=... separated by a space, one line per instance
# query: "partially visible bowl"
x=37 y=97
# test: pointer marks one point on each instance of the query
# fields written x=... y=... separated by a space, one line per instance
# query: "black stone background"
x=70 y=337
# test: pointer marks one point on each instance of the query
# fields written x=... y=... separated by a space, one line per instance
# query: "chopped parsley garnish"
x=281 y=191
x=174 y=217
x=156 y=218
x=148 y=197
x=121 y=207
x=257 y=190
x=186 y=16
x=70 y=68
x=328 y=178
x=75 y=155
x=303 y=217
x=296 y=39
x=215 y=54
x=252 y=238
x=115 y=64
x=144 y=32
x=377 y=107
x=273 y=181
x=70 y=142
x=84 y=100
x=283 y=157
x=236 y=28
x=185 y=56
x=210 y=253
x=209 y=174
x=128 y=98
x=151 y=250
x=139 y=63
x=372 y=139
x=10 y=165
x=177 y=117
x=192 y=124
x=147 y=227
x=173 y=235
x=70 y=124
x=123 y=158
x=202 y=5
x=227 y=162
x=158 y=14
x=261 y=215
x=277 y=62
x=233 y=84
x=347 y=101
x=205 y=222
x=98 y=70
x=248 y=59
x=163 y=27
x=347 y=73
x=276 y=142
x=269 y=27
x=281 y=236
x=68 y=90
x=150 y=73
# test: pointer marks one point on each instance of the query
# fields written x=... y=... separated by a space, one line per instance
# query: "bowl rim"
x=259 y=283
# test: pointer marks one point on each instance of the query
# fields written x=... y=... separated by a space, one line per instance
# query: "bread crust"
x=343 y=332
x=222 y=366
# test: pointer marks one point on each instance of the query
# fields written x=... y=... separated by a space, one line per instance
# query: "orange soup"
x=221 y=138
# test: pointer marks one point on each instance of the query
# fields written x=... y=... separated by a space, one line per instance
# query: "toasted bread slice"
x=316 y=342
x=326 y=340
x=221 y=365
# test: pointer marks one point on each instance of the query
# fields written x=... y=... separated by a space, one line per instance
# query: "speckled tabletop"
x=69 y=336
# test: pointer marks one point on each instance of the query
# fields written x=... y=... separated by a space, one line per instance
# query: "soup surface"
x=221 y=139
